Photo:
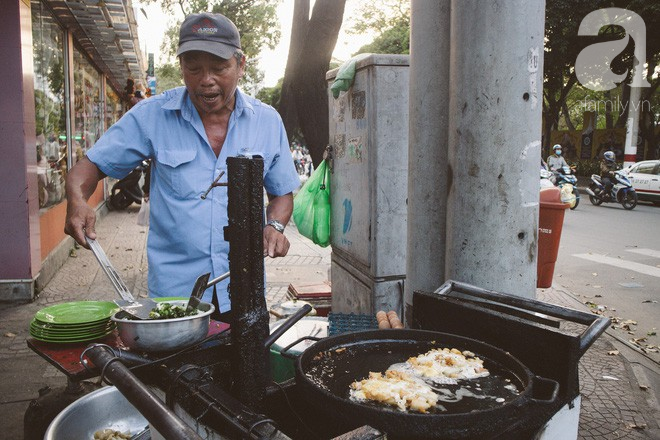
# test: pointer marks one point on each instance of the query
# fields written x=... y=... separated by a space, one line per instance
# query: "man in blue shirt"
x=188 y=133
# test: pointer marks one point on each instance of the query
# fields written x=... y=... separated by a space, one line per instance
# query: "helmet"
x=609 y=156
x=556 y=147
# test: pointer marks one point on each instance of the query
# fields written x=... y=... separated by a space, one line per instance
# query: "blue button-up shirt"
x=186 y=237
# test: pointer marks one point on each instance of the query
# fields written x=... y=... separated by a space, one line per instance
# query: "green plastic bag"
x=311 y=206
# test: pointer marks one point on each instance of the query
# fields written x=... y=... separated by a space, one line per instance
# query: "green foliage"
x=168 y=76
x=394 y=40
x=271 y=95
x=256 y=21
x=586 y=168
x=389 y=20
x=380 y=16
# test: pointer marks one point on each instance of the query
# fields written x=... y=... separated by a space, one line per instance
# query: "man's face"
x=211 y=81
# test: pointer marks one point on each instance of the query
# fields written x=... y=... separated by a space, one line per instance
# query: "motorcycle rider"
x=556 y=160
x=608 y=166
x=556 y=163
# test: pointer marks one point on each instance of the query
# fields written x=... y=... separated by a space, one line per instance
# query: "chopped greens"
x=166 y=310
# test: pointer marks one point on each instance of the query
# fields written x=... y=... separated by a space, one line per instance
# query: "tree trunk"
x=567 y=116
x=609 y=122
x=287 y=104
x=310 y=87
x=623 y=109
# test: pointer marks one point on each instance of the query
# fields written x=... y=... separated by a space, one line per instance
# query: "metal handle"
x=596 y=324
x=544 y=390
x=109 y=270
x=285 y=351
x=286 y=325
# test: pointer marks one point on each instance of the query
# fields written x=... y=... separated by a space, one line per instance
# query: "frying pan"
x=326 y=369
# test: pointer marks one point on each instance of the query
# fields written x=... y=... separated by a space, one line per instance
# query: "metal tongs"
x=137 y=308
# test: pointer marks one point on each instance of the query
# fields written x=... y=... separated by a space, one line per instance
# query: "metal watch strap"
x=279 y=227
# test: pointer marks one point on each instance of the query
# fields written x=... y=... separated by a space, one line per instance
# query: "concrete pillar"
x=495 y=103
x=427 y=146
x=19 y=203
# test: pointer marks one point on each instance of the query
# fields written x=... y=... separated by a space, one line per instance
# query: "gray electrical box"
x=369 y=186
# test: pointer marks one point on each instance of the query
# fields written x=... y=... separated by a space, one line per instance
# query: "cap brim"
x=221 y=50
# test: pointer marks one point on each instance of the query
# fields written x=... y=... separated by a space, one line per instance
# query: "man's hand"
x=275 y=243
x=80 y=221
x=80 y=184
x=280 y=209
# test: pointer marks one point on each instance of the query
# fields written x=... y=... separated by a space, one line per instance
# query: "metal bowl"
x=105 y=408
x=165 y=334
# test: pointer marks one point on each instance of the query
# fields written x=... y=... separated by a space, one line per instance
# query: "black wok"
x=325 y=371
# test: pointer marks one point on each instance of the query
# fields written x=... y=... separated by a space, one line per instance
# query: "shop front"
x=65 y=64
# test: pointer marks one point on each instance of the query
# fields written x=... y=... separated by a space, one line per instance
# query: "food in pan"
x=166 y=310
x=405 y=386
x=444 y=365
x=395 y=388
x=110 y=434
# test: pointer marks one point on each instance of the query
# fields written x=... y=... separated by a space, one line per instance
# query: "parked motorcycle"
x=566 y=180
x=127 y=191
x=622 y=191
x=546 y=179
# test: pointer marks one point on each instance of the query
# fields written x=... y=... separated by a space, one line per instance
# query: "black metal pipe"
x=286 y=325
x=249 y=326
x=146 y=402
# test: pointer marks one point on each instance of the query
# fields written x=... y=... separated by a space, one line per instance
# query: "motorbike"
x=622 y=191
x=127 y=191
x=566 y=180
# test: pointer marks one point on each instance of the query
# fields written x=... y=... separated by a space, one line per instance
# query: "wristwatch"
x=279 y=227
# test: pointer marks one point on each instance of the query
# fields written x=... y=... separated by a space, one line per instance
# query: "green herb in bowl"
x=166 y=310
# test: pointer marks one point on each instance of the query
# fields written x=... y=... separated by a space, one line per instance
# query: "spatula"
x=138 y=308
x=198 y=291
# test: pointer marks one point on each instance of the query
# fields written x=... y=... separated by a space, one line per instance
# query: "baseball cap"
x=212 y=33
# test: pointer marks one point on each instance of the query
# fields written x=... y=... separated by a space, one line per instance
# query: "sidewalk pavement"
x=619 y=392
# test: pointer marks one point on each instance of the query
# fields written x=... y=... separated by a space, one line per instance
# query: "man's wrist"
x=279 y=227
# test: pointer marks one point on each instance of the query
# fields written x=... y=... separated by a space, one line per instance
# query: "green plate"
x=35 y=328
x=171 y=298
x=84 y=338
x=56 y=327
x=77 y=312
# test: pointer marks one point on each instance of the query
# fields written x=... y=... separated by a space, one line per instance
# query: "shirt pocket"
x=179 y=172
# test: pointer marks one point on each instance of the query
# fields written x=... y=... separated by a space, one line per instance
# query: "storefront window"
x=113 y=111
x=48 y=40
x=88 y=106
x=113 y=106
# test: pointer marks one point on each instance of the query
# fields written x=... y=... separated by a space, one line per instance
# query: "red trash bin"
x=551 y=219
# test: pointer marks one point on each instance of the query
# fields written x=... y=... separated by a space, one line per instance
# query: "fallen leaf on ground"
x=598 y=296
x=10 y=335
x=594 y=274
x=649 y=301
x=643 y=387
x=613 y=352
x=610 y=378
x=650 y=333
x=597 y=287
x=636 y=426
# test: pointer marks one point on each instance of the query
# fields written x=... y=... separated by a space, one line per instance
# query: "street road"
x=610 y=259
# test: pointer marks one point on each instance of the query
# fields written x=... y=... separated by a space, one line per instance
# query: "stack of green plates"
x=77 y=321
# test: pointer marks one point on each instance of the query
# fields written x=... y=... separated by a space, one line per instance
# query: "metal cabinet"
x=369 y=186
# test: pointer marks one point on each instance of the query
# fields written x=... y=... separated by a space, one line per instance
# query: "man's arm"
x=80 y=184
x=279 y=208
